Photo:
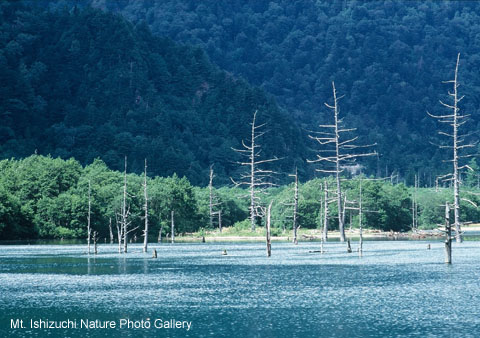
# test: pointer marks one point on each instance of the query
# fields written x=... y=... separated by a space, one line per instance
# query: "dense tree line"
x=78 y=82
x=45 y=197
x=388 y=57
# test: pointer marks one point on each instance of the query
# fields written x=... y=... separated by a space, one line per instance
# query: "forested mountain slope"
x=78 y=82
x=387 y=57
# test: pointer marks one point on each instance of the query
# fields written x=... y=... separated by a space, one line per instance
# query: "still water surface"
x=397 y=289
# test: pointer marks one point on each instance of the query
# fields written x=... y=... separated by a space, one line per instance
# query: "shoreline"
x=306 y=235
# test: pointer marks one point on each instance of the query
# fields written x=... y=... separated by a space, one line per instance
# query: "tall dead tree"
x=455 y=120
x=213 y=202
x=89 y=228
x=125 y=213
x=255 y=178
x=341 y=151
x=145 y=208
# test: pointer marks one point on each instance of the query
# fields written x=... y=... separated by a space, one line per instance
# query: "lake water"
x=397 y=289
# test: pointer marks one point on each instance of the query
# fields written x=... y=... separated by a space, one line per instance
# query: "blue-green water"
x=397 y=289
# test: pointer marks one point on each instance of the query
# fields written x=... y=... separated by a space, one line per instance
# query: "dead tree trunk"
x=360 y=215
x=160 y=234
x=119 y=235
x=269 y=243
x=342 y=152
x=448 y=235
x=145 y=207
x=210 y=189
x=125 y=212
x=325 y=212
x=95 y=239
x=173 y=228
x=220 y=220
x=213 y=202
x=111 y=230
x=295 y=209
x=414 y=207
x=89 y=229
x=455 y=120
x=256 y=178
x=124 y=209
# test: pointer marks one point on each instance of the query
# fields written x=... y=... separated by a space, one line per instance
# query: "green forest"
x=45 y=197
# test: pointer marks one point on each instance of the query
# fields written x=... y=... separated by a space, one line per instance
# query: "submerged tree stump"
x=349 y=247
x=154 y=253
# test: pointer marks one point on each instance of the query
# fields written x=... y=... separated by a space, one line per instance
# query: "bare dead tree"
x=415 y=207
x=325 y=212
x=339 y=153
x=95 y=240
x=145 y=208
x=210 y=190
x=213 y=202
x=125 y=212
x=119 y=225
x=110 y=229
x=295 y=207
x=160 y=234
x=89 y=228
x=269 y=239
x=173 y=227
x=361 y=211
x=255 y=178
x=455 y=120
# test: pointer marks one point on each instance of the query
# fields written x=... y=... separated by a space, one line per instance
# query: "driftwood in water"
x=269 y=243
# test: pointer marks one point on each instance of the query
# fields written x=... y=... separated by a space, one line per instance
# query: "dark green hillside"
x=387 y=57
x=85 y=84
